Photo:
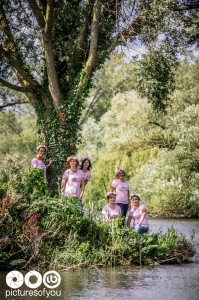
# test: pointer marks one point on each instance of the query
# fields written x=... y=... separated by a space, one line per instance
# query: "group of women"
x=75 y=179
x=119 y=204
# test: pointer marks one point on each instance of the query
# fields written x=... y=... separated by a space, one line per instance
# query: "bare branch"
x=94 y=39
x=30 y=22
x=157 y=124
x=18 y=67
x=37 y=12
x=2 y=107
x=10 y=43
x=48 y=48
x=14 y=87
x=81 y=40
x=49 y=18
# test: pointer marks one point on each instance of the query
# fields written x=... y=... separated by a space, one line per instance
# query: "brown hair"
x=110 y=193
x=135 y=195
x=118 y=172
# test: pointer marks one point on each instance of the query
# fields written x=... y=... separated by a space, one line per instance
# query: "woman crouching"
x=139 y=215
x=111 y=211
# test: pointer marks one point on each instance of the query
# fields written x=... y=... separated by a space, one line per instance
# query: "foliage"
x=166 y=34
x=52 y=62
x=17 y=135
x=19 y=183
x=122 y=130
x=41 y=231
x=169 y=184
x=158 y=151
x=156 y=78
x=52 y=233
x=116 y=76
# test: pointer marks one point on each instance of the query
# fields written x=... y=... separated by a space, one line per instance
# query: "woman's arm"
x=144 y=211
x=85 y=182
x=82 y=186
x=129 y=200
x=105 y=216
x=50 y=161
x=112 y=189
x=63 y=185
x=129 y=221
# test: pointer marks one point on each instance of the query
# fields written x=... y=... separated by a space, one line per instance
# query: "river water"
x=168 y=282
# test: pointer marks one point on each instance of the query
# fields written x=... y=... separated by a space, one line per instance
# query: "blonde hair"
x=69 y=159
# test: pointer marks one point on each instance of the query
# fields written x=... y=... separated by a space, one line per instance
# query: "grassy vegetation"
x=40 y=231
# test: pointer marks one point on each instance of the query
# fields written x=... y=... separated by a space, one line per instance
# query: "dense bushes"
x=159 y=151
x=45 y=232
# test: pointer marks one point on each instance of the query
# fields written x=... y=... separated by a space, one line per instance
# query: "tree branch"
x=16 y=66
x=10 y=43
x=37 y=12
x=43 y=3
x=49 y=18
x=94 y=40
x=187 y=5
x=48 y=49
x=30 y=22
x=11 y=104
x=81 y=40
x=15 y=87
x=157 y=124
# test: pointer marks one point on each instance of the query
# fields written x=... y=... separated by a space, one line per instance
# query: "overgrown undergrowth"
x=52 y=233
x=45 y=232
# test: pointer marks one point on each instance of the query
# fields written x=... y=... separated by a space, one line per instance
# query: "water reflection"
x=165 y=282
x=172 y=282
x=185 y=226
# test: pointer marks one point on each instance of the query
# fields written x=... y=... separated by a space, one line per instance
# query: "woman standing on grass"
x=139 y=215
x=121 y=187
x=72 y=180
x=111 y=211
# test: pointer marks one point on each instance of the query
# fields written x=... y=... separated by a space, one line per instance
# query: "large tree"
x=49 y=50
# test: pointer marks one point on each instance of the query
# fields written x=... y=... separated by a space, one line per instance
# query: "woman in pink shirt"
x=121 y=187
x=139 y=215
x=37 y=162
x=111 y=211
x=72 y=180
x=86 y=167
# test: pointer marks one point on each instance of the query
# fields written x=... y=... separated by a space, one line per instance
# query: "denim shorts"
x=141 y=229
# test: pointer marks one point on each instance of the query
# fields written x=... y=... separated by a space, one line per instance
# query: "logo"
x=14 y=279
x=33 y=279
x=51 y=279
x=33 y=275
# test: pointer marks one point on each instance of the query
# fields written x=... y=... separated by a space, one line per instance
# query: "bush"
x=52 y=233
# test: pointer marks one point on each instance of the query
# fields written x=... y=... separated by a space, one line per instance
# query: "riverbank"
x=52 y=233
x=171 y=281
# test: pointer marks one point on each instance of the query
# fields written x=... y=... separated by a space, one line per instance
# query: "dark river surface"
x=168 y=282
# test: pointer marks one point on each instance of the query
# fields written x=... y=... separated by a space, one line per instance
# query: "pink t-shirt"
x=122 y=191
x=87 y=175
x=73 y=183
x=136 y=215
x=111 y=213
x=37 y=164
